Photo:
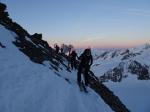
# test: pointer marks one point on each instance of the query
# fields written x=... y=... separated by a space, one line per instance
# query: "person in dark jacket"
x=86 y=60
x=56 y=48
x=73 y=60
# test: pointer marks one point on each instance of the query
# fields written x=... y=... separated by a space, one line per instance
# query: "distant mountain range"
x=116 y=64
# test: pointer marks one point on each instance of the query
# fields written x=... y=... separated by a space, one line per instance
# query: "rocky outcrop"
x=140 y=70
x=114 y=54
x=130 y=55
x=125 y=52
x=104 y=55
x=37 y=39
x=6 y=21
x=117 y=74
x=32 y=46
x=114 y=74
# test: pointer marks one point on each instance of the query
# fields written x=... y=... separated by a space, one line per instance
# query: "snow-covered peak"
x=122 y=53
x=33 y=78
x=107 y=60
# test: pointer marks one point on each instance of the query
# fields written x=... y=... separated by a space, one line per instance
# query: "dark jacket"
x=73 y=55
x=86 y=60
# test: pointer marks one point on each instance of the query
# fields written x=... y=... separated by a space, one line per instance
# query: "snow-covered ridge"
x=43 y=86
x=56 y=65
x=127 y=73
x=29 y=87
x=29 y=78
x=122 y=53
x=48 y=86
x=107 y=62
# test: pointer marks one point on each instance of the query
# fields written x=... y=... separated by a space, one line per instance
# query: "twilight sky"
x=83 y=23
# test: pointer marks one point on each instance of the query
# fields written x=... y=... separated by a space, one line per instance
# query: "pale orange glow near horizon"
x=122 y=43
x=86 y=23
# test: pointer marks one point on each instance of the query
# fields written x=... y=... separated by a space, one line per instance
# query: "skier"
x=73 y=60
x=86 y=60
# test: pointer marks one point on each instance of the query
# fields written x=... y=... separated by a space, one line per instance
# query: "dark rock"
x=125 y=52
x=37 y=39
x=37 y=36
x=1 y=45
x=114 y=54
x=140 y=70
x=104 y=54
x=34 y=53
x=2 y=7
x=129 y=55
x=114 y=75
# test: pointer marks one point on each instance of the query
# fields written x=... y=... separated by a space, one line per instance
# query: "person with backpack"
x=73 y=60
x=86 y=60
x=56 y=48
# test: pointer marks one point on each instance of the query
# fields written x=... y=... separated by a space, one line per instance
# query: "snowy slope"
x=104 y=60
x=133 y=92
x=29 y=87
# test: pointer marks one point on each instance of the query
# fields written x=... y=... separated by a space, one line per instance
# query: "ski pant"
x=73 y=64
x=85 y=70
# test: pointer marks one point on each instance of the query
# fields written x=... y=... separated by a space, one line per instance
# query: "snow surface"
x=29 y=87
x=134 y=93
x=102 y=65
